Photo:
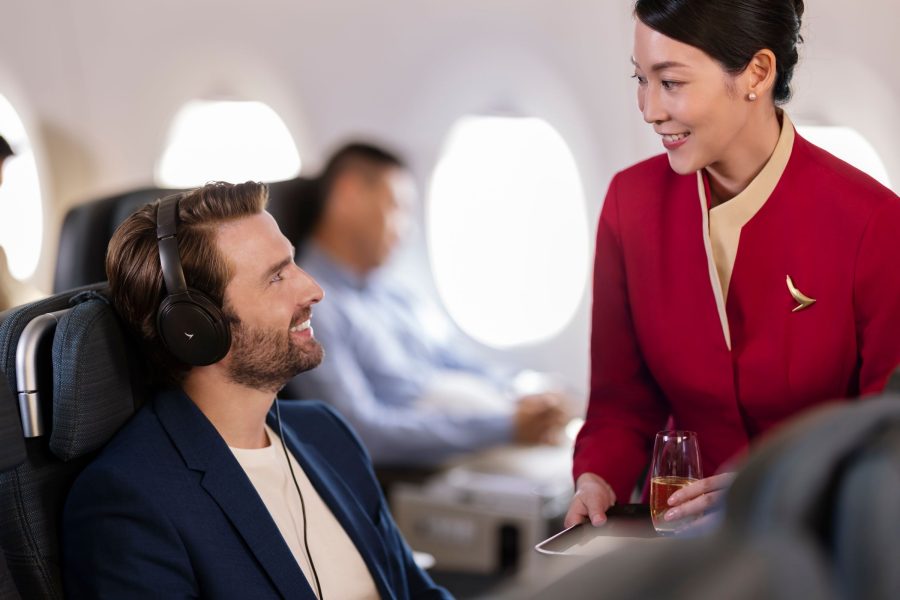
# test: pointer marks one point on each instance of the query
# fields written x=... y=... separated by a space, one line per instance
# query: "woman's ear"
x=758 y=78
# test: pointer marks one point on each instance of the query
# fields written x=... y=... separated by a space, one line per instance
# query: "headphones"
x=190 y=324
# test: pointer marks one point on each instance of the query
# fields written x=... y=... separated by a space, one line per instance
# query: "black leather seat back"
x=86 y=231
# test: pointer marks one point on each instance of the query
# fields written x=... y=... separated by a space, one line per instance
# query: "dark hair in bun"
x=732 y=31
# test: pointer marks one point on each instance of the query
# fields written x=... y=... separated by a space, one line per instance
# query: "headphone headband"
x=169 y=257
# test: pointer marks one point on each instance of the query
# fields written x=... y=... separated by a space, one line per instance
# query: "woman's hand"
x=593 y=496
x=697 y=498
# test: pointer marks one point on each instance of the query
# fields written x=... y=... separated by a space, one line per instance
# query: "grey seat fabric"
x=834 y=476
x=87 y=228
x=789 y=480
x=87 y=393
x=12 y=453
x=721 y=566
x=867 y=521
x=813 y=513
x=893 y=384
x=12 y=444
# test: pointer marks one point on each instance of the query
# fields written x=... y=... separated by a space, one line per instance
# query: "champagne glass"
x=676 y=463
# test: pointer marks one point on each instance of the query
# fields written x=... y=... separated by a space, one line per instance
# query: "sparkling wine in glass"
x=676 y=463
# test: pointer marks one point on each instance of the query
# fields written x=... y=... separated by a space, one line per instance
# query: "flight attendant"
x=741 y=277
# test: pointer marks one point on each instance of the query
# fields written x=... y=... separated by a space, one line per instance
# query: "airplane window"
x=21 y=208
x=850 y=146
x=228 y=141
x=507 y=230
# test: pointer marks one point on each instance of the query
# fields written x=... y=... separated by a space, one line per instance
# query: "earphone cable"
x=287 y=457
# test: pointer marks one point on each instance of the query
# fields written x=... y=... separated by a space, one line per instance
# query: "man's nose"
x=310 y=291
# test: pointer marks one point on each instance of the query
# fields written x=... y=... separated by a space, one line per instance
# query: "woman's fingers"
x=702 y=486
x=699 y=497
x=593 y=497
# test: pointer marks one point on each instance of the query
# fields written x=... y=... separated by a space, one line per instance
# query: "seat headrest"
x=12 y=322
x=296 y=205
x=92 y=394
x=128 y=203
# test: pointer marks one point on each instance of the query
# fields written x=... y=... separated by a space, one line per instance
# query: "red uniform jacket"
x=657 y=344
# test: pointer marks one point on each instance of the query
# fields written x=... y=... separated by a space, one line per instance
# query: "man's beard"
x=266 y=359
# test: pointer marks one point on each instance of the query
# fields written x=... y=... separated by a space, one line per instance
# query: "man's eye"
x=276 y=277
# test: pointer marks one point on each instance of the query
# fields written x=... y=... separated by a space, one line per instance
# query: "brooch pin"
x=803 y=301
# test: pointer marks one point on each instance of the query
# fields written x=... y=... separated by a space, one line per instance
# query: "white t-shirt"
x=342 y=572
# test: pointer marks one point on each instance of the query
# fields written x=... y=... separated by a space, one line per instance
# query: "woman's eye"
x=671 y=85
x=641 y=80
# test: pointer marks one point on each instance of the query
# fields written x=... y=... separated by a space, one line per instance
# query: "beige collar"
x=722 y=224
x=740 y=209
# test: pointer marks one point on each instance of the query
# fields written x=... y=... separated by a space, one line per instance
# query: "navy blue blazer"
x=166 y=511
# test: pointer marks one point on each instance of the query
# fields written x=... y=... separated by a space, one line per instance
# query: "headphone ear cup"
x=193 y=328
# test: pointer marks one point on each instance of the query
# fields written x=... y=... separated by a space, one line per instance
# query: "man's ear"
x=344 y=196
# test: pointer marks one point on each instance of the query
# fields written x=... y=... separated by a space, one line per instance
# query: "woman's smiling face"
x=691 y=101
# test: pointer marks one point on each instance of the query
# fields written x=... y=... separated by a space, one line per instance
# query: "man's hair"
x=5 y=150
x=356 y=157
x=136 y=285
x=359 y=157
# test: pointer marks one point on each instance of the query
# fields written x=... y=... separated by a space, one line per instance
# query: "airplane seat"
x=867 y=520
x=87 y=228
x=775 y=567
x=66 y=359
x=78 y=260
x=12 y=453
x=7 y=587
x=893 y=383
x=833 y=476
x=12 y=450
x=295 y=204
x=86 y=231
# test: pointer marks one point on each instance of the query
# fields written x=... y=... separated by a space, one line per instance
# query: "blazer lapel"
x=343 y=504
x=204 y=450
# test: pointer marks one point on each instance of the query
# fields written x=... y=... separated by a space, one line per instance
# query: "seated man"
x=415 y=399
x=208 y=491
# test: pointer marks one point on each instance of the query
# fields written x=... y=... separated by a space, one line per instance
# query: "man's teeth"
x=675 y=138
x=300 y=327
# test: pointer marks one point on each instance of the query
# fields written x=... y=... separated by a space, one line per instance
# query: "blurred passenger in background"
x=5 y=152
x=416 y=399
x=5 y=278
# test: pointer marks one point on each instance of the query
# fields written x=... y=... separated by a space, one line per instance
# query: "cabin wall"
x=97 y=83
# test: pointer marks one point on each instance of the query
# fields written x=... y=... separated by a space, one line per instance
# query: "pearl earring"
x=751 y=96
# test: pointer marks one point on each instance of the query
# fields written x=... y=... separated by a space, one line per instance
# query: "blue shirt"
x=379 y=364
